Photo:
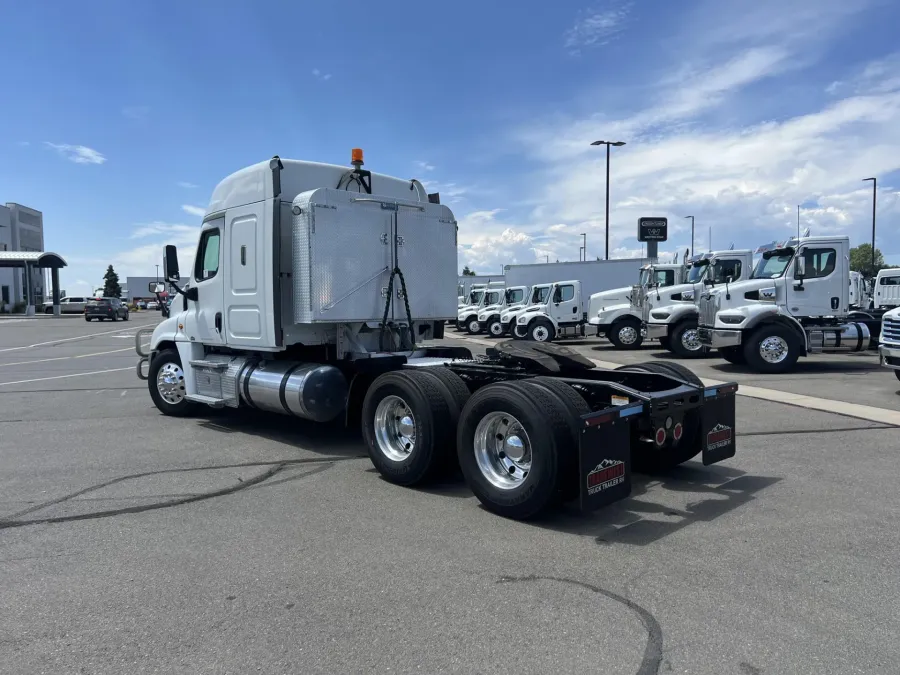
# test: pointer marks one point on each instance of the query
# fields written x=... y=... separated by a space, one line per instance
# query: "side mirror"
x=170 y=264
x=729 y=279
x=156 y=287
x=800 y=268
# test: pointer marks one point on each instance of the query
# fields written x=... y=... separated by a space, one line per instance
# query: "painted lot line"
x=70 y=339
x=65 y=358
x=60 y=377
x=865 y=412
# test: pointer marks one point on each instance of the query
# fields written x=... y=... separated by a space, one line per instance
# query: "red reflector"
x=600 y=419
x=660 y=436
x=676 y=432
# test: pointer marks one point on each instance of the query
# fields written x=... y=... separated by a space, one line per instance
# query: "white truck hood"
x=614 y=296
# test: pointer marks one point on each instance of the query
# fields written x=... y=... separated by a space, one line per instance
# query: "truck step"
x=211 y=401
x=210 y=365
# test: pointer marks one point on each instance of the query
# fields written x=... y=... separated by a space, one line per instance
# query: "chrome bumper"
x=717 y=338
x=889 y=356
x=655 y=331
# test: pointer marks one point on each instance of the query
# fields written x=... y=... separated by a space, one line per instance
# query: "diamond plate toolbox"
x=345 y=245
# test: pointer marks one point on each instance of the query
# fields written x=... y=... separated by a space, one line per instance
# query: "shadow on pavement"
x=642 y=519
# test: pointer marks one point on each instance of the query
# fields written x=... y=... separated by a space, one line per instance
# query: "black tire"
x=665 y=343
x=540 y=330
x=734 y=355
x=785 y=337
x=87 y=318
x=897 y=374
x=568 y=460
x=495 y=328
x=115 y=317
x=454 y=384
x=472 y=325
x=622 y=328
x=650 y=458
x=183 y=408
x=432 y=410
x=682 y=332
x=544 y=420
x=49 y=310
x=126 y=316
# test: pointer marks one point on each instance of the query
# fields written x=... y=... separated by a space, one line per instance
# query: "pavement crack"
x=275 y=467
x=653 y=651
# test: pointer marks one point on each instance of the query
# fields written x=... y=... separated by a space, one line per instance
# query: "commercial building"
x=21 y=229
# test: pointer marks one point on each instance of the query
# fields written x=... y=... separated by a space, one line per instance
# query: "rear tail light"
x=660 y=436
x=677 y=431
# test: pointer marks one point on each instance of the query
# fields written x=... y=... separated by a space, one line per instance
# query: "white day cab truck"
x=489 y=316
x=612 y=313
x=479 y=297
x=562 y=316
x=889 y=349
x=671 y=314
x=313 y=293
x=797 y=302
x=539 y=295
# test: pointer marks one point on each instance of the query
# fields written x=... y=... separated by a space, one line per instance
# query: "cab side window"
x=731 y=268
x=665 y=277
x=819 y=262
x=565 y=293
x=207 y=264
x=889 y=281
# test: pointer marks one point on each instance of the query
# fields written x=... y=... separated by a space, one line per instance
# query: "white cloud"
x=138 y=113
x=184 y=184
x=596 y=27
x=319 y=75
x=79 y=154
x=425 y=166
x=193 y=210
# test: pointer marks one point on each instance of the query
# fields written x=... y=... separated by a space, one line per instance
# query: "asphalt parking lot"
x=236 y=542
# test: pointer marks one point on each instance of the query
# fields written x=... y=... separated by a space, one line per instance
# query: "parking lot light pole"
x=874 y=195
x=692 y=234
x=618 y=144
x=584 y=248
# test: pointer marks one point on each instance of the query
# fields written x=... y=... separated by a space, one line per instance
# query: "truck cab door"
x=823 y=290
x=204 y=319
x=565 y=304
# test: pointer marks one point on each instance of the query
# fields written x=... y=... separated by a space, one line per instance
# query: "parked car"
x=152 y=304
x=105 y=308
x=73 y=305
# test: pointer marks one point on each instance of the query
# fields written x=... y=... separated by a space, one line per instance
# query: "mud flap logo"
x=607 y=474
x=719 y=437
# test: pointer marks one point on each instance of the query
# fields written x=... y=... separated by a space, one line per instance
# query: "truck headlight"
x=660 y=315
x=522 y=319
x=731 y=319
x=687 y=295
x=482 y=317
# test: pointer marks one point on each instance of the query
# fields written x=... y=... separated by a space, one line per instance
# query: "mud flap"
x=604 y=455
x=717 y=420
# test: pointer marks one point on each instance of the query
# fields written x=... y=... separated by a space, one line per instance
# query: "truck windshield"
x=540 y=295
x=644 y=279
x=492 y=298
x=514 y=295
x=697 y=273
x=475 y=297
x=774 y=267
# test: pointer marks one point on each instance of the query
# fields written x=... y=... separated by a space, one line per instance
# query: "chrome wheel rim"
x=502 y=450
x=496 y=328
x=170 y=383
x=540 y=334
x=773 y=349
x=690 y=340
x=473 y=326
x=395 y=428
x=628 y=335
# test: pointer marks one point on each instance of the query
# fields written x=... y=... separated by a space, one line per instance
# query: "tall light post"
x=618 y=144
x=584 y=248
x=157 y=274
x=692 y=234
x=874 y=195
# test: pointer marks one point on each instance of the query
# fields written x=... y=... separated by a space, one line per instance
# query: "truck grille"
x=890 y=331
x=708 y=311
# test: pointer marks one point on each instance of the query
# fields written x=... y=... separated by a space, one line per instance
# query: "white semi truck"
x=313 y=293
x=670 y=315
x=561 y=316
x=612 y=314
x=889 y=349
x=489 y=316
x=467 y=317
x=797 y=302
x=539 y=295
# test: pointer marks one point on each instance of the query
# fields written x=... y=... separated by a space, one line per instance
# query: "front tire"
x=495 y=329
x=685 y=341
x=897 y=374
x=626 y=334
x=166 y=381
x=473 y=327
x=772 y=349
x=541 y=330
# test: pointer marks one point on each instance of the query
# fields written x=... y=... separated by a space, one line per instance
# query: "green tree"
x=467 y=272
x=861 y=260
x=111 y=288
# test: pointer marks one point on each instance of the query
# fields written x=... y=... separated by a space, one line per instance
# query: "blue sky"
x=118 y=119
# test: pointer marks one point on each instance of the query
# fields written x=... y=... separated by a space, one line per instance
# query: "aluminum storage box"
x=345 y=244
